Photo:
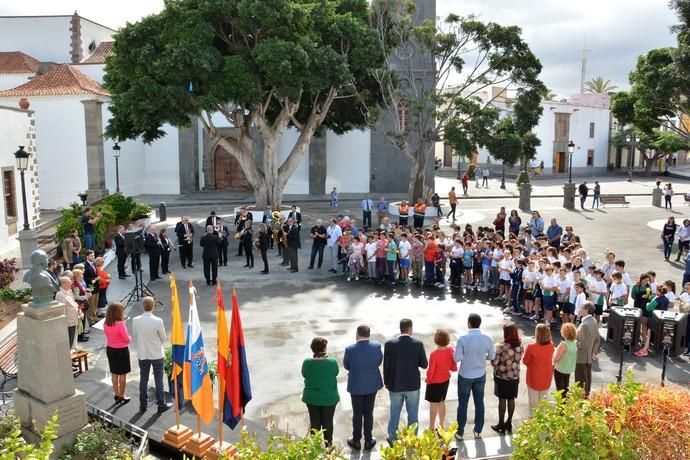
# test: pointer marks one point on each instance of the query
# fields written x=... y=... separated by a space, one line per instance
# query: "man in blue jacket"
x=362 y=360
x=402 y=359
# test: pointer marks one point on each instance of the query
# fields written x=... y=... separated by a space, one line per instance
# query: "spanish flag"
x=197 y=380
x=177 y=341
x=239 y=388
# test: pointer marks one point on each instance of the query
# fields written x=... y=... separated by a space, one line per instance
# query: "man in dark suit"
x=185 y=239
x=292 y=244
x=89 y=276
x=402 y=359
x=213 y=221
x=297 y=217
x=223 y=247
x=153 y=249
x=587 y=346
x=362 y=360
x=210 y=243
x=120 y=252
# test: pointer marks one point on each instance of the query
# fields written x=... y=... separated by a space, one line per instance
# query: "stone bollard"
x=569 y=196
x=162 y=212
x=525 y=196
x=656 y=197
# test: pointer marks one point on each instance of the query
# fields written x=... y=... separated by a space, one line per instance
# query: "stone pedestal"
x=569 y=196
x=28 y=243
x=95 y=158
x=656 y=198
x=45 y=382
x=525 y=196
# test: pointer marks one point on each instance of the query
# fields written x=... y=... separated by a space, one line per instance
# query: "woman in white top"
x=548 y=288
x=356 y=261
x=668 y=194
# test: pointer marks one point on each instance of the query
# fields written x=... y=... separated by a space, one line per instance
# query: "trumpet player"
x=185 y=236
x=247 y=241
x=223 y=248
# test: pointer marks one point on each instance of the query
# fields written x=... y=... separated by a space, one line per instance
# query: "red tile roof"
x=102 y=51
x=12 y=62
x=61 y=80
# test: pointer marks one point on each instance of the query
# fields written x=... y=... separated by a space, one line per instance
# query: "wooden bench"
x=613 y=199
x=80 y=358
x=8 y=357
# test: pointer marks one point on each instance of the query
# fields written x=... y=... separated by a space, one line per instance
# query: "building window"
x=591 y=130
x=9 y=194
x=403 y=116
x=561 y=128
x=590 y=157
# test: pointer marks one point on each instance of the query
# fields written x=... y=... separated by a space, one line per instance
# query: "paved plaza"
x=282 y=312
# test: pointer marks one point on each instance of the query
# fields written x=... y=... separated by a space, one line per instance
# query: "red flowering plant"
x=8 y=270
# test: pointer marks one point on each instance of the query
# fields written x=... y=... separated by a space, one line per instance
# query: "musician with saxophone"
x=185 y=237
x=240 y=221
x=247 y=241
x=263 y=242
x=281 y=239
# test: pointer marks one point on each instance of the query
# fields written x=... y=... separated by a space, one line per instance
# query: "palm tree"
x=548 y=95
x=598 y=85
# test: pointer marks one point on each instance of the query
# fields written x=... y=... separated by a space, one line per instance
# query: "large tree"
x=653 y=145
x=467 y=57
x=264 y=65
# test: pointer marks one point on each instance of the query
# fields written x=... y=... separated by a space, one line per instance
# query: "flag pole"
x=198 y=425
x=191 y=300
x=221 y=389
x=177 y=401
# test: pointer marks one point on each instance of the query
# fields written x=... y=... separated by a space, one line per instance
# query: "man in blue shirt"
x=553 y=234
x=367 y=206
x=471 y=352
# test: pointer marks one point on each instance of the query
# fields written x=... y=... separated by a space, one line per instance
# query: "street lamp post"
x=631 y=156
x=116 y=154
x=571 y=150
x=22 y=157
x=503 y=176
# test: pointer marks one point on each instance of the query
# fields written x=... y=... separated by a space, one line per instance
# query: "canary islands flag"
x=177 y=340
x=238 y=387
x=197 y=381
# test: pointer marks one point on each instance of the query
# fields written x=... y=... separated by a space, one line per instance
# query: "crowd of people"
x=402 y=358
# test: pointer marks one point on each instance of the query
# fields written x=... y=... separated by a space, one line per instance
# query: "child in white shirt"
x=370 y=248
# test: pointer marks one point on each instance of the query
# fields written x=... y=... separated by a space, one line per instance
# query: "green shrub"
x=431 y=444
x=573 y=428
x=139 y=210
x=122 y=206
x=99 y=442
x=17 y=295
x=522 y=178
x=281 y=447
x=13 y=446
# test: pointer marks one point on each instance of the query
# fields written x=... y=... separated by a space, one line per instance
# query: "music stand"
x=134 y=245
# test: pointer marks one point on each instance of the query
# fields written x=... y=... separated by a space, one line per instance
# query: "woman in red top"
x=441 y=364
x=537 y=358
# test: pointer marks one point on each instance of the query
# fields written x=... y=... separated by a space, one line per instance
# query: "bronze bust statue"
x=43 y=286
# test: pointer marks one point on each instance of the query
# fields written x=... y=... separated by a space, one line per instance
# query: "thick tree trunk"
x=418 y=187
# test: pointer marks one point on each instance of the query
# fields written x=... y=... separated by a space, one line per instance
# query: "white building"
x=18 y=129
x=583 y=119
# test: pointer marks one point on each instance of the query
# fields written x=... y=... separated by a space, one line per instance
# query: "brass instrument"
x=238 y=235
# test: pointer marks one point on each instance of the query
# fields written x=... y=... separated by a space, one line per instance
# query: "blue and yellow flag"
x=197 y=381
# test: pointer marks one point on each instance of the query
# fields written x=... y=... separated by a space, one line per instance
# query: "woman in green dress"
x=320 y=388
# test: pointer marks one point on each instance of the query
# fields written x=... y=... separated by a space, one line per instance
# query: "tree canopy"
x=264 y=64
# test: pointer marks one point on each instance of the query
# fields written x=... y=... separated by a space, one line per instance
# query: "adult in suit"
x=223 y=248
x=209 y=255
x=240 y=219
x=185 y=239
x=148 y=338
x=297 y=218
x=153 y=249
x=587 y=340
x=137 y=247
x=213 y=221
x=247 y=241
x=120 y=252
x=402 y=359
x=292 y=236
x=362 y=360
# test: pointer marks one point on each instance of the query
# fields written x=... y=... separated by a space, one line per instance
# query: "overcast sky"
x=615 y=31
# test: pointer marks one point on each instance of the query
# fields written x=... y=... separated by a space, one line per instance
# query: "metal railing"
x=127 y=427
